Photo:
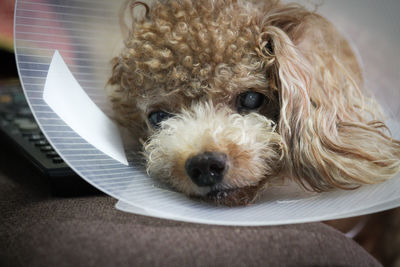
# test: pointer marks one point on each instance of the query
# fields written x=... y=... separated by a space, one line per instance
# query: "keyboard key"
x=25 y=112
x=58 y=160
x=41 y=143
x=4 y=123
x=52 y=154
x=28 y=126
x=19 y=120
x=35 y=137
x=9 y=117
x=46 y=148
x=29 y=133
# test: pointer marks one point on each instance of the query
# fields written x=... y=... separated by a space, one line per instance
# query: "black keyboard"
x=19 y=129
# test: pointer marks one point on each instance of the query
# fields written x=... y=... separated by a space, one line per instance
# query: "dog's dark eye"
x=156 y=117
x=250 y=100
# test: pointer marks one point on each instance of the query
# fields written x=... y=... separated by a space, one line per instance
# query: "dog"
x=230 y=97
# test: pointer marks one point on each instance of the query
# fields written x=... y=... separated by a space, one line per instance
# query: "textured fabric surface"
x=37 y=229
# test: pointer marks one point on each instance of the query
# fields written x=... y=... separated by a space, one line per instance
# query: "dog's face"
x=231 y=96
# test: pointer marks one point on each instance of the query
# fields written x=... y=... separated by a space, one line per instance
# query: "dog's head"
x=231 y=96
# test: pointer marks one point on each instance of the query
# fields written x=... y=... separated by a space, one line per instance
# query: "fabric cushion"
x=37 y=229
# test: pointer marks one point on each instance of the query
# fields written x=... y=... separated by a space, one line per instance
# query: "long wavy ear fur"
x=334 y=133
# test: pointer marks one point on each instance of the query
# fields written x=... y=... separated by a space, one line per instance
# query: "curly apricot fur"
x=193 y=58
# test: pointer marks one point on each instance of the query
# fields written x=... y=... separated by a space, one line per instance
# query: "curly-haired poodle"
x=232 y=96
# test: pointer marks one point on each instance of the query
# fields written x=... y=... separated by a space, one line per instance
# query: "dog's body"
x=233 y=96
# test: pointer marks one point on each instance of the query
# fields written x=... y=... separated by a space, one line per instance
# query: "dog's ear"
x=333 y=134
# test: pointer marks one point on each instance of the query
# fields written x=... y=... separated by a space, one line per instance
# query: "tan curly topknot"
x=193 y=59
x=177 y=50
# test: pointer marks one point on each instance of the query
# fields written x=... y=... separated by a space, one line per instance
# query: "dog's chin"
x=232 y=197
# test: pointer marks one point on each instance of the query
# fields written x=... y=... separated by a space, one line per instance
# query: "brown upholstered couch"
x=37 y=229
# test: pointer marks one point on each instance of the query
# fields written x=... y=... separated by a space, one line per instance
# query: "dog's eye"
x=250 y=100
x=156 y=117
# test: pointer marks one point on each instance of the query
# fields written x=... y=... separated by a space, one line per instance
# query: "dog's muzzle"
x=208 y=149
x=207 y=169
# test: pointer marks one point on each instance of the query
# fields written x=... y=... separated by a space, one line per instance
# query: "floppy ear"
x=333 y=133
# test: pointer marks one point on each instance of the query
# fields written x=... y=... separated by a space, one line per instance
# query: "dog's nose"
x=206 y=169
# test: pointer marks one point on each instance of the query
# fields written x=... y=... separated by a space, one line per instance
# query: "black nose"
x=206 y=169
